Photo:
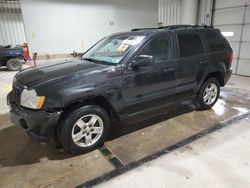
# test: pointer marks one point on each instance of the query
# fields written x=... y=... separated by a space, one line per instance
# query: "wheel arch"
x=91 y=100
x=219 y=75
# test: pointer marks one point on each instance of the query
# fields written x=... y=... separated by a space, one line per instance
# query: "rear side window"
x=215 y=41
x=190 y=45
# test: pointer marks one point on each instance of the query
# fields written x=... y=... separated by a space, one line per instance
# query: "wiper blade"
x=89 y=59
x=98 y=61
x=105 y=62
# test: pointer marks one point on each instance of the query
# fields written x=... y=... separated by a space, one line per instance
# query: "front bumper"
x=39 y=124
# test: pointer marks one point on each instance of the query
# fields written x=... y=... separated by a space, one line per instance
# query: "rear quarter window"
x=215 y=41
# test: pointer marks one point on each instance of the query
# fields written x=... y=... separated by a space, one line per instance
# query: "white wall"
x=61 y=26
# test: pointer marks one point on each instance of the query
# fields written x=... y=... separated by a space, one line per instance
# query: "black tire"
x=14 y=64
x=200 y=101
x=64 y=131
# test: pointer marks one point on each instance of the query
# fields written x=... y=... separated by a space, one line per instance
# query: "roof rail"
x=139 y=29
x=174 y=27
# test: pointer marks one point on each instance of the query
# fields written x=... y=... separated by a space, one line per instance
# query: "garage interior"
x=182 y=147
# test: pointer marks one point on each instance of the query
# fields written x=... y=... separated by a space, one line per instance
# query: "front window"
x=159 y=49
x=113 y=49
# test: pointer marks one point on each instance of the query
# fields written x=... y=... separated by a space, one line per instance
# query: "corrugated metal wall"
x=189 y=11
x=233 y=19
x=11 y=23
x=169 y=12
x=205 y=12
x=177 y=11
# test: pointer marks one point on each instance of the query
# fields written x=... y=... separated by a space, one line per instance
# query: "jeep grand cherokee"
x=123 y=76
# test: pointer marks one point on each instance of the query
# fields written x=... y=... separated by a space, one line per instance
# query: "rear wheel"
x=208 y=94
x=84 y=129
x=14 y=64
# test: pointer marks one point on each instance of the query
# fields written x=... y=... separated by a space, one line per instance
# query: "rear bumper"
x=40 y=125
x=228 y=75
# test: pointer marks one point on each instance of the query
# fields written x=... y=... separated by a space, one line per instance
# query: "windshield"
x=112 y=49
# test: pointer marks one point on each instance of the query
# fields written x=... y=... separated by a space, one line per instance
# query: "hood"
x=51 y=71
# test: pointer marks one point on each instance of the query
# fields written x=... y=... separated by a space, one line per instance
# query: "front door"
x=149 y=87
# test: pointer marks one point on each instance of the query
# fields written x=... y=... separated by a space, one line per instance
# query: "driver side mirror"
x=142 y=60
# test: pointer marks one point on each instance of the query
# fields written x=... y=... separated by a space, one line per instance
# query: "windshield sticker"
x=122 y=48
x=134 y=40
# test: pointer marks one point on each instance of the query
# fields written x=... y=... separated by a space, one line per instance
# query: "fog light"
x=23 y=123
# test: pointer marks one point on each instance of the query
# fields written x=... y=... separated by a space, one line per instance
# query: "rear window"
x=190 y=45
x=215 y=41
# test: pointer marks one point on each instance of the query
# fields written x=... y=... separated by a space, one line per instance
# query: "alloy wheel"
x=87 y=130
x=210 y=94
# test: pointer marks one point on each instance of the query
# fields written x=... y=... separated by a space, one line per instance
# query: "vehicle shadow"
x=16 y=148
x=119 y=129
x=4 y=69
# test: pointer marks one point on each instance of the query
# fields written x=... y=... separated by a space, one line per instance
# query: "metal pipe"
x=213 y=10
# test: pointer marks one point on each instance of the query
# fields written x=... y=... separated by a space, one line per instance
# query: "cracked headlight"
x=29 y=99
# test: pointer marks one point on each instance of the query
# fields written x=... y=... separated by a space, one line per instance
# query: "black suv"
x=122 y=77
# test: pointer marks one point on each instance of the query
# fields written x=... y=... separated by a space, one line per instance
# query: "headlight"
x=30 y=99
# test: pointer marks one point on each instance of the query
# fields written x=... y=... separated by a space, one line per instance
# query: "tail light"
x=231 y=56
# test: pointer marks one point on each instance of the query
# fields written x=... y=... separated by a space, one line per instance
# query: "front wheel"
x=84 y=129
x=208 y=94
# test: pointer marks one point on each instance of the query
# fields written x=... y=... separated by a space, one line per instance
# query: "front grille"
x=16 y=94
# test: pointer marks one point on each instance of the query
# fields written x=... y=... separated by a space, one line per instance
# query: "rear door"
x=192 y=57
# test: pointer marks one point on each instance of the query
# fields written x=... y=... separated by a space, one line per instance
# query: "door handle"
x=169 y=69
x=204 y=62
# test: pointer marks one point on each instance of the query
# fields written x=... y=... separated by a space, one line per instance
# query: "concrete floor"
x=219 y=160
x=24 y=163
